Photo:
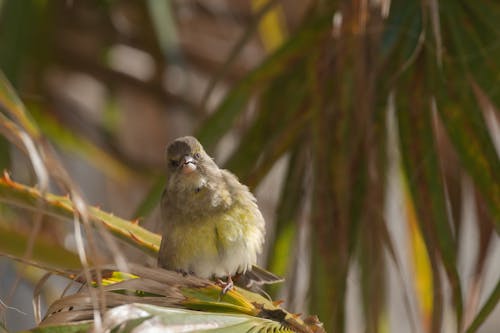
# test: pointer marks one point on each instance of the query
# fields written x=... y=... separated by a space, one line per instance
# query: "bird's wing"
x=162 y=252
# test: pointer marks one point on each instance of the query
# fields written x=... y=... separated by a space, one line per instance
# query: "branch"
x=61 y=207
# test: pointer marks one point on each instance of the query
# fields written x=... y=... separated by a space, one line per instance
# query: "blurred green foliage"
x=323 y=100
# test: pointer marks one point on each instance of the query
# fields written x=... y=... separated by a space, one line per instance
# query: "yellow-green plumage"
x=219 y=245
x=212 y=225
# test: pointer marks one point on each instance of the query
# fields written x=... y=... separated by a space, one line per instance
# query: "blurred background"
x=368 y=129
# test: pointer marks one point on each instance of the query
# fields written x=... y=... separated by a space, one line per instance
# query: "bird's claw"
x=225 y=285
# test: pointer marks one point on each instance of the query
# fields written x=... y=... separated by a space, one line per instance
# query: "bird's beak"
x=188 y=165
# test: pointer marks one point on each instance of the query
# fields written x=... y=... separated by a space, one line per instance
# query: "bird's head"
x=184 y=155
x=188 y=165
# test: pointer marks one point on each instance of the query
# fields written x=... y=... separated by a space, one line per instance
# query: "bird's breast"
x=217 y=245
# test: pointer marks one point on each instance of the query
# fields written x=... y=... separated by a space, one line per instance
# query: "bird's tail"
x=257 y=276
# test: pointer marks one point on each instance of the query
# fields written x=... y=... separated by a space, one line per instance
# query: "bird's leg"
x=229 y=285
x=226 y=286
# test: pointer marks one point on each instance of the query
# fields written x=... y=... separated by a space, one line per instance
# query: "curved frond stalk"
x=61 y=207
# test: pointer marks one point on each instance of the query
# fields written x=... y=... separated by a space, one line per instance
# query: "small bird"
x=212 y=226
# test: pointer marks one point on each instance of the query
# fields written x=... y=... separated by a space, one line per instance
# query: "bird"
x=212 y=225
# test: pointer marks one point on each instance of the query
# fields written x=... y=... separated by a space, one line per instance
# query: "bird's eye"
x=174 y=163
x=197 y=156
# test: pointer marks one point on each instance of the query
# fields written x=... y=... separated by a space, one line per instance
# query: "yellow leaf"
x=272 y=26
x=421 y=263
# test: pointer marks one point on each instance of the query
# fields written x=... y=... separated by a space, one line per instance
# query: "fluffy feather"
x=213 y=227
